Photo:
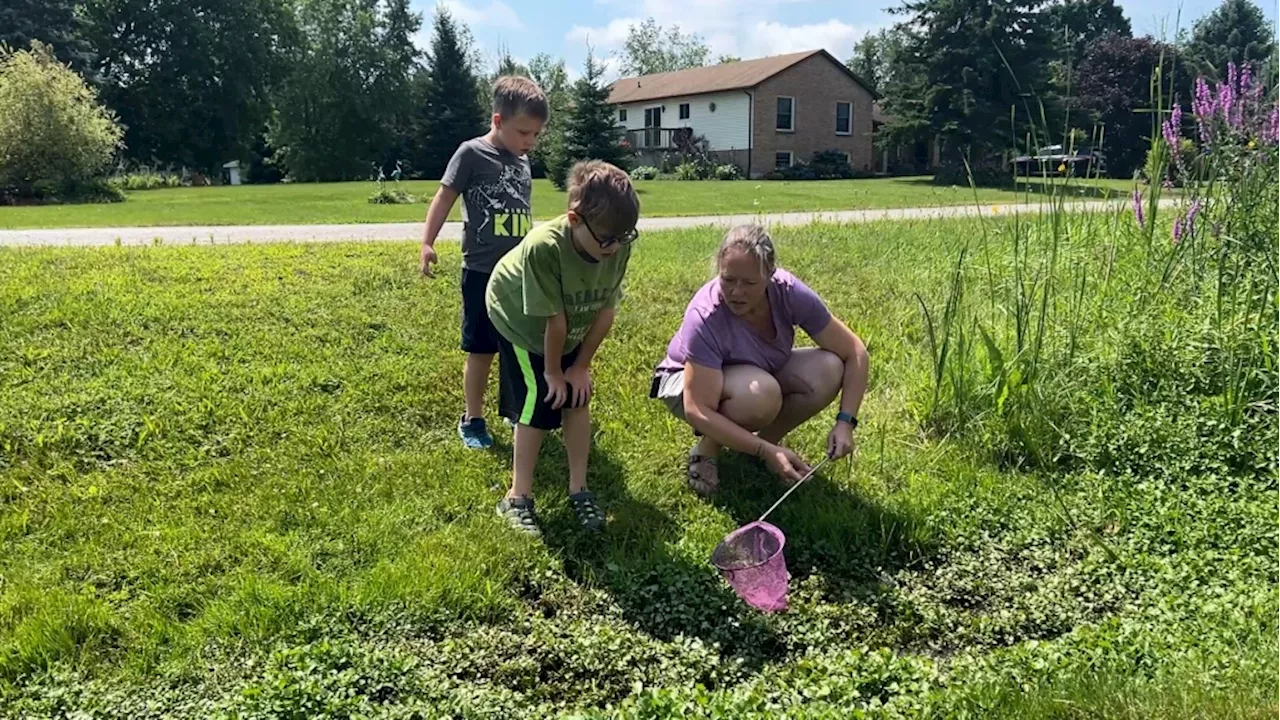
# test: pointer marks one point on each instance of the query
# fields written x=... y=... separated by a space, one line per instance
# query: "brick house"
x=760 y=114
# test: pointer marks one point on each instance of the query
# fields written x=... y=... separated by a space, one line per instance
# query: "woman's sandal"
x=703 y=474
x=589 y=513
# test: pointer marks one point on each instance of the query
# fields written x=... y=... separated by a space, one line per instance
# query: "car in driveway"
x=1057 y=160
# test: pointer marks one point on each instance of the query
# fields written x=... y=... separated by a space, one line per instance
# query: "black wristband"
x=846 y=417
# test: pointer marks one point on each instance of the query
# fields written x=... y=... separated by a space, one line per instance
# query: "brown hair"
x=602 y=192
x=514 y=95
x=753 y=240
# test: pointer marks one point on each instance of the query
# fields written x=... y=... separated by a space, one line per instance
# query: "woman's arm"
x=702 y=389
x=837 y=338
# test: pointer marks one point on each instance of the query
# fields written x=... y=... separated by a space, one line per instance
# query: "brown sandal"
x=703 y=474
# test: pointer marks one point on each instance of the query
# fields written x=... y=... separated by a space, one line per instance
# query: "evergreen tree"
x=449 y=109
x=1235 y=32
x=966 y=63
x=590 y=132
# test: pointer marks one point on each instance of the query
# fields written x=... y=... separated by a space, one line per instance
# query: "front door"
x=653 y=127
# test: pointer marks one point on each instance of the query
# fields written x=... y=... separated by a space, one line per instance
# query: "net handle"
x=792 y=489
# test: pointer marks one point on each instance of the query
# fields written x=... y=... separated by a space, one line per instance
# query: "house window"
x=844 y=118
x=622 y=114
x=782 y=160
x=786 y=121
x=684 y=111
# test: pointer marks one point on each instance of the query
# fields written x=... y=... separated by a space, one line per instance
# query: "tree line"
x=334 y=89
x=984 y=76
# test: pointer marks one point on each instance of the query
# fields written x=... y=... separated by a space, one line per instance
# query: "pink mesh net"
x=752 y=562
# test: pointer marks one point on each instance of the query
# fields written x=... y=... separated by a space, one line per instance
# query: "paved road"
x=226 y=234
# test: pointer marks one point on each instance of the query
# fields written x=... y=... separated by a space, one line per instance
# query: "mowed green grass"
x=340 y=203
x=230 y=486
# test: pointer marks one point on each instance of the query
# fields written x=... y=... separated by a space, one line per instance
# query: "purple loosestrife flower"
x=1203 y=107
x=1271 y=130
x=1137 y=209
x=1233 y=108
x=1172 y=129
x=1185 y=226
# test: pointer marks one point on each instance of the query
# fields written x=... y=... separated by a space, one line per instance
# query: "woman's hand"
x=785 y=463
x=840 y=441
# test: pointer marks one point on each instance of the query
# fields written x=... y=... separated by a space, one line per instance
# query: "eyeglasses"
x=625 y=238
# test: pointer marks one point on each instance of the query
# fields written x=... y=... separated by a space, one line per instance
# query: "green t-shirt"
x=546 y=275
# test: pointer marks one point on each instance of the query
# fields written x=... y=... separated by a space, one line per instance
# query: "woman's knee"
x=752 y=399
x=828 y=372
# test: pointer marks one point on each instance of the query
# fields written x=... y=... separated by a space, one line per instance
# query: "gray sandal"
x=589 y=513
x=703 y=474
x=518 y=512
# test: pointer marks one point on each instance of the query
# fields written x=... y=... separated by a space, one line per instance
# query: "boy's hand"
x=557 y=389
x=579 y=378
x=426 y=259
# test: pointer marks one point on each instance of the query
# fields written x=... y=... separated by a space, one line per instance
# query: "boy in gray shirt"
x=491 y=173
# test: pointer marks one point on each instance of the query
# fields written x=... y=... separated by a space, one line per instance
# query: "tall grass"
x=1038 y=305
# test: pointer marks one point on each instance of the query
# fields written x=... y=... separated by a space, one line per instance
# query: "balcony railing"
x=659 y=138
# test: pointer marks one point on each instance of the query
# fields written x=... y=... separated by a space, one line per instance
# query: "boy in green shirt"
x=552 y=300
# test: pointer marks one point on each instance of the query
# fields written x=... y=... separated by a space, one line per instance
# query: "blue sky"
x=746 y=28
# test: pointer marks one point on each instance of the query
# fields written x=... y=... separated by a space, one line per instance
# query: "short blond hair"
x=514 y=95
x=603 y=193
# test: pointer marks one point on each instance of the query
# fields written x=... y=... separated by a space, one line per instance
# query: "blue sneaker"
x=474 y=433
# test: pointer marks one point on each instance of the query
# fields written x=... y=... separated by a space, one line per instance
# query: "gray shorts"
x=669 y=388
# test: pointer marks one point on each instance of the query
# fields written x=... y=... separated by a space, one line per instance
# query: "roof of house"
x=715 y=78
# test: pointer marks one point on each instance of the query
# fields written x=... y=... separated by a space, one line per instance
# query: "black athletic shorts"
x=478 y=335
x=523 y=389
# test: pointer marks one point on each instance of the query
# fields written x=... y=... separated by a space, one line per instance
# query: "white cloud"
x=745 y=28
x=496 y=14
x=834 y=36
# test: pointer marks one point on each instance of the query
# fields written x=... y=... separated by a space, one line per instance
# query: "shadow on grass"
x=830 y=530
x=659 y=589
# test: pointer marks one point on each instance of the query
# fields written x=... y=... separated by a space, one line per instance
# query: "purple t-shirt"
x=712 y=336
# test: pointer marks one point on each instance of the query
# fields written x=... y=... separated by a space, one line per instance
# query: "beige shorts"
x=669 y=388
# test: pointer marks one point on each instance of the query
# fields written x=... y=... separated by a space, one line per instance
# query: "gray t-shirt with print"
x=496 y=189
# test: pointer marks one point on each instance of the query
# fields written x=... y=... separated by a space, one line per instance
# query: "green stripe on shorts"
x=530 y=385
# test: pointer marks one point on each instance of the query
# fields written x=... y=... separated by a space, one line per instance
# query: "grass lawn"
x=340 y=203
x=230 y=486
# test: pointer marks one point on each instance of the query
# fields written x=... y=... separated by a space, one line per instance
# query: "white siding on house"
x=728 y=128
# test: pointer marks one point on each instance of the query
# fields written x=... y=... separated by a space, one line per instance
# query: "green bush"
x=391 y=196
x=53 y=131
x=644 y=172
x=144 y=180
x=831 y=165
x=728 y=171
x=688 y=171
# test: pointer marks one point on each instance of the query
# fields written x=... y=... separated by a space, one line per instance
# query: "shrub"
x=144 y=180
x=831 y=165
x=728 y=171
x=392 y=196
x=644 y=172
x=53 y=130
x=688 y=171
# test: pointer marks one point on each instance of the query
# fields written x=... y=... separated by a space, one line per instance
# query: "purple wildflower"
x=1271 y=131
x=1137 y=208
x=1172 y=129
x=1228 y=99
x=1185 y=226
x=1203 y=106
